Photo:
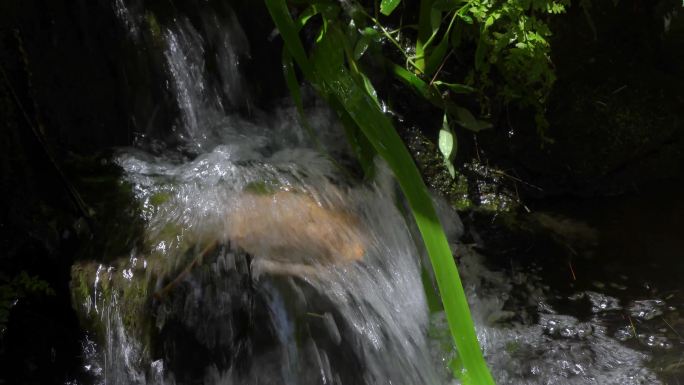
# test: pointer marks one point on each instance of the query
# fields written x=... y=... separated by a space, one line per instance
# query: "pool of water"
x=599 y=280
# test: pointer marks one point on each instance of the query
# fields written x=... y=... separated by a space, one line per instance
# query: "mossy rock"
x=125 y=286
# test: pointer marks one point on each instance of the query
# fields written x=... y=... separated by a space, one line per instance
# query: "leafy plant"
x=485 y=53
x=333 y=71
x=457 y=53
x=18 y=287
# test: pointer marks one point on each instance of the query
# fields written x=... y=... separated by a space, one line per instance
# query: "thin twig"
x=440 y=67
x=670 y=326
x=75 y=196
x=161 y=294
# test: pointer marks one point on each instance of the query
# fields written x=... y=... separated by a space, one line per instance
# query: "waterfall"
x=189 y=306
x=225 y=322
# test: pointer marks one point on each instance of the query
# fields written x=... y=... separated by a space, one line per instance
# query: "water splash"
x=545 y=347
x=366 y=322
x=372 y=312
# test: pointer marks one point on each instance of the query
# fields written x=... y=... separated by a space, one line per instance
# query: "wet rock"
x=646 y=309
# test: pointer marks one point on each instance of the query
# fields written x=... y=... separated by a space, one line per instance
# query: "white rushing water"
x=365 y=322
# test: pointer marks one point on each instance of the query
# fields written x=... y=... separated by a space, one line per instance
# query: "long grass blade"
x=376 y=126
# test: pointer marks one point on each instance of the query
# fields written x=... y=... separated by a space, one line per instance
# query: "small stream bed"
x=611 y=263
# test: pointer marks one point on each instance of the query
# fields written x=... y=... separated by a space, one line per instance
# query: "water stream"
x=188 y=306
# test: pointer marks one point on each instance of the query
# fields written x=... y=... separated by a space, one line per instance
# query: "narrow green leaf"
x=378 y=129
x=433 y=300
x=447 y=145
x=426 y=30
x=437 y=55
x=370 y=90
x=387 y=6
x=410 y=79
x=293 y=86
x=305 y=16
x=446 y=140
x=291 y=81
x=361 y=46
x=291 y=45
x=466 y=18
x=289 y=32
x=455 y=87
x=468 y=121
x=450 y=167
x=416 y=84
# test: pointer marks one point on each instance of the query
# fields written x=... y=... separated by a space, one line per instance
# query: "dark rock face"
x=68 y=52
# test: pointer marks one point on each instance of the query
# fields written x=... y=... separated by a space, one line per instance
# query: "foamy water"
x=172 y=312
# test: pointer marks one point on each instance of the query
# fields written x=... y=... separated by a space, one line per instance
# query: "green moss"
x=159 y=198
x=261 y=188
x=128 y=293
x=154 y=28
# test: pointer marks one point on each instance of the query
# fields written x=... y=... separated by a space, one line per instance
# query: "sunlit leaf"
x=466 y=18
x=305 y=16
x=289 y=32
x=361 y=46
x=417 y=85
x=387 y=6
x=370 y=90
x=437 y=56
x=455 y=87
x=429 y=21
x=447 y=145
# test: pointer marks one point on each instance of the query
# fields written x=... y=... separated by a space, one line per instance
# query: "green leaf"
x=360 y=145
x=289 y=32
x=339 y=82
x=468 y=121
x=429 y=20
x=466 y=18
x=304 y=17
x=387 y=6
x=456 y=87
x=368 y=36
x=361 y=46
x=293 y=87
x=370 y=90
x=436 y=57
x=446 y=140
x=417 y=85
x=335 y=82
x=447 y=145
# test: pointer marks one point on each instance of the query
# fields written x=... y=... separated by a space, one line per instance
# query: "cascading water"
x=178 y=311
x=224 y=322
